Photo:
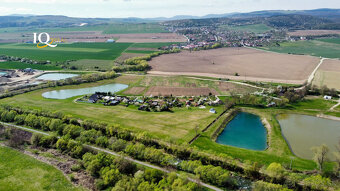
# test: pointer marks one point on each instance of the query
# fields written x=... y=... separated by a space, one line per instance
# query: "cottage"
x=93 y=98
x=326 y=97
x=110 y=41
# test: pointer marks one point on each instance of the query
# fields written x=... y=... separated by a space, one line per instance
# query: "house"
x=326 y=97
x=212 y=110
x=114 y=102
x=93 y=98
x=28 y=70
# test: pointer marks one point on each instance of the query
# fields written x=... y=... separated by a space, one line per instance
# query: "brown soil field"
x=179 y=91
x=125 y=56
x=328 y=74
x=150 y=37
x=135 y=90
x=250 y=64
x=313 y=32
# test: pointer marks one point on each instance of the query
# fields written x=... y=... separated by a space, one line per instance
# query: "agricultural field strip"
x=18 y=47
x=118 y=155
x=239 y=83
x=312 y=75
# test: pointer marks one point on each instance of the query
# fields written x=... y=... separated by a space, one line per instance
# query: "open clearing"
x=150 y=37
x=328 y=74
x=180 y=86
x=179 y=91
x=179 y=124
x=22 y=172
x=313 y=32
x=250 y=64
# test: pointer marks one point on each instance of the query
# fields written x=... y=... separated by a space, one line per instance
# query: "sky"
x=153 y=8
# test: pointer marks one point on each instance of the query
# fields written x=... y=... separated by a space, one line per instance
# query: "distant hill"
x=325 y=17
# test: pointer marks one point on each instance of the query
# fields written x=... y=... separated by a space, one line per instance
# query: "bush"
x=264 y=186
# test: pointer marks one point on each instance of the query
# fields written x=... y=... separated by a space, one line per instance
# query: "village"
x=152 y=103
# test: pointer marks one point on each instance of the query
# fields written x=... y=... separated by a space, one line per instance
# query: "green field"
x=92 y=64
x=84 y=56
x=20 y=65
x=152 y=45
x=134 y=28
x=21 y=172
x=116 y=28
x=257 y=28
x=140 y=51
x=63 y=52
x=179 y=124
x=328 y=48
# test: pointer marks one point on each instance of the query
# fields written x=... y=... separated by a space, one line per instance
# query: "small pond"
x=56 y=76
x=245 y=130
x=64 y=94
x=303 y=132
x=3 y=73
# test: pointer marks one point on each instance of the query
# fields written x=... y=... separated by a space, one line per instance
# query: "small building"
x=326 y=97
x=28 y=70
x=212 y=110
x=110 y=41
x=94 y=98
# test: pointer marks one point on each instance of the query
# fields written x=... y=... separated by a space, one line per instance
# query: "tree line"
x=143 y=147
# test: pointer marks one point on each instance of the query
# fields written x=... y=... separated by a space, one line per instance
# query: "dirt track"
x=250 y=64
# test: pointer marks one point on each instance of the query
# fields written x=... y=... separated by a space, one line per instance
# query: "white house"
x=326 y=97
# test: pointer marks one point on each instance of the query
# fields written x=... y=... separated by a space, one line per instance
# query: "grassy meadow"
x=21 y=172
x=114 y=28
x=180 y=123
x=20 y=65
x=328 y=48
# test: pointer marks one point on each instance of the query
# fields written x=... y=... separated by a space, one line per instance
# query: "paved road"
x=119 y=155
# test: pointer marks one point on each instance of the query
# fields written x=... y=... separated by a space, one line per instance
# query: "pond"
x=245 y=130
x=303 y=132
x=56 y=76
x=64 y=94
x=3 y=73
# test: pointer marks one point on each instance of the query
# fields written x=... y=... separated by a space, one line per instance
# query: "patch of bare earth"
x=135 y=90
x=249 y=64
x=179 y=91
x=313 y=32
x=150 y=37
